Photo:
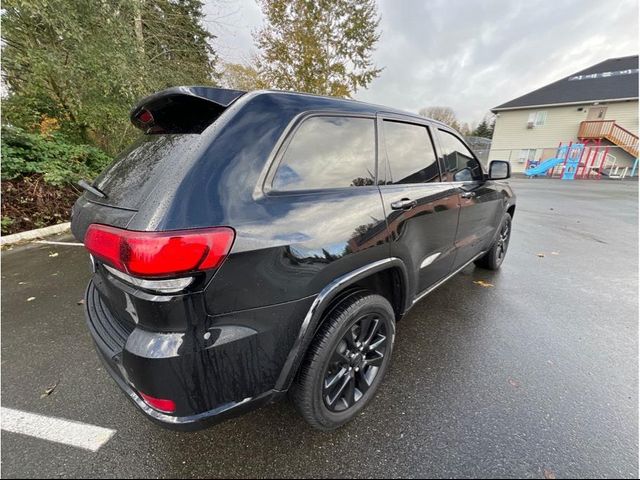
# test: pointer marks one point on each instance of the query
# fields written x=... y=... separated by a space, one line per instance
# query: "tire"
x=330 y=378
x=493 y=259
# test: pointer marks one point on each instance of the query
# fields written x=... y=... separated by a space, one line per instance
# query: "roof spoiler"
x=182 y=109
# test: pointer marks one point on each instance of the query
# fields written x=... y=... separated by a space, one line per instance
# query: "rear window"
x=328 y=152
x=131 y=177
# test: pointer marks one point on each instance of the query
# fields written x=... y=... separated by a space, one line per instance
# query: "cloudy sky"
x=470 y=55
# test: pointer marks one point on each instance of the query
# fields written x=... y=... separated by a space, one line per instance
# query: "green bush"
x=5 y=225
x=60 y=162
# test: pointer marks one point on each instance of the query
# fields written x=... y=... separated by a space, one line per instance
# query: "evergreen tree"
x=82 y=64
x=492 y=127
x=484 y=128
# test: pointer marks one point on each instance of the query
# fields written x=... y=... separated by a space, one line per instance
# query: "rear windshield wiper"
x=90 y=188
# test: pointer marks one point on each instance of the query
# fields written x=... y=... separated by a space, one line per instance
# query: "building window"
x=537 y=119
x=527 y=154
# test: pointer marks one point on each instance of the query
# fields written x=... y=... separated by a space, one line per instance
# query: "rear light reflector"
x=168 y=285
x=159 y=254
x=160 y=404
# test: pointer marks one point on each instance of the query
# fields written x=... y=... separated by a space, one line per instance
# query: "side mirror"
x=499 y=170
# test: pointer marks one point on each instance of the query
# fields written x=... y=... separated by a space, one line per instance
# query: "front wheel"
x=493 y=259
x=346 y=362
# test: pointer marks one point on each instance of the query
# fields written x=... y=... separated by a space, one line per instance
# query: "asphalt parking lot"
x=535 y=376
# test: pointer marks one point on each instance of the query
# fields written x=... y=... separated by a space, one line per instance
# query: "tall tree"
x=445 y=115
x=484 y=128
x=241 y=76
x=84 y=63
x=321 y=47
x=492 y=126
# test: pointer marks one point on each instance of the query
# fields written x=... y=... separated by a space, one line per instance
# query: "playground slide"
x=544 y=166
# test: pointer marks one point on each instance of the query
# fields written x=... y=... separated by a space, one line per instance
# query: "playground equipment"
x=615 y=171
x=579 y=160
x=572 y=161
x=567 y=156
x=541 y=168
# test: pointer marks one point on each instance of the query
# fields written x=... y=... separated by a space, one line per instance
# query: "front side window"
x=459 y=163
x=328 y=152
x=410 y=154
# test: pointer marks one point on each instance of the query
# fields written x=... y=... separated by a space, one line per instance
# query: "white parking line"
x=72 y=433
x=68 y=244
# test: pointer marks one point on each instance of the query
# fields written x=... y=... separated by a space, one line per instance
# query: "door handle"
x=468 y=194
x=404 y=204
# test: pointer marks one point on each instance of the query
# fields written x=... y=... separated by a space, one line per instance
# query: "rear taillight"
x=145 y=116
x=160 y=404
x=159 y=254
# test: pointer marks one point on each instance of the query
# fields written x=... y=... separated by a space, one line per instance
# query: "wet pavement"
x=534 y=376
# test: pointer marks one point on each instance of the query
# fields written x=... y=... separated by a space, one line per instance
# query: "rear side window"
x=459 y=163
x=410 y=154
x=328 y=152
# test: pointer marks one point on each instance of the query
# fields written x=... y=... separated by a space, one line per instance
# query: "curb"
x=33 y=234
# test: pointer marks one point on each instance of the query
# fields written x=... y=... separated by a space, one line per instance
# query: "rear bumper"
x=223 y=367
x=193 y=422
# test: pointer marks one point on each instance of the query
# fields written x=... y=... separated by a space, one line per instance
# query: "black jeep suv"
x=254 y=244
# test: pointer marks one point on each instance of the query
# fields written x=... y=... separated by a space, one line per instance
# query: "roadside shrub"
x=39 y=172
x=58 y=161
x=30 y=202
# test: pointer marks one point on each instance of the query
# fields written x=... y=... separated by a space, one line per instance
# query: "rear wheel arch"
x=372 y=278
x=389 y=283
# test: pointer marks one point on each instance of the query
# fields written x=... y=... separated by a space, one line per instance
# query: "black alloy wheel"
x=493 y=259
x=503 y=239
x=355 y=362
x=346 y=361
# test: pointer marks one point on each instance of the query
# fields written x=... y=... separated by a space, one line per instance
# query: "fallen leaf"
x=549 y=474
x=53 y=254
x=81 y=302
x=48 y=391
x=484 y=284
x=514 y=383
x=31 y=299
x=541 y=255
